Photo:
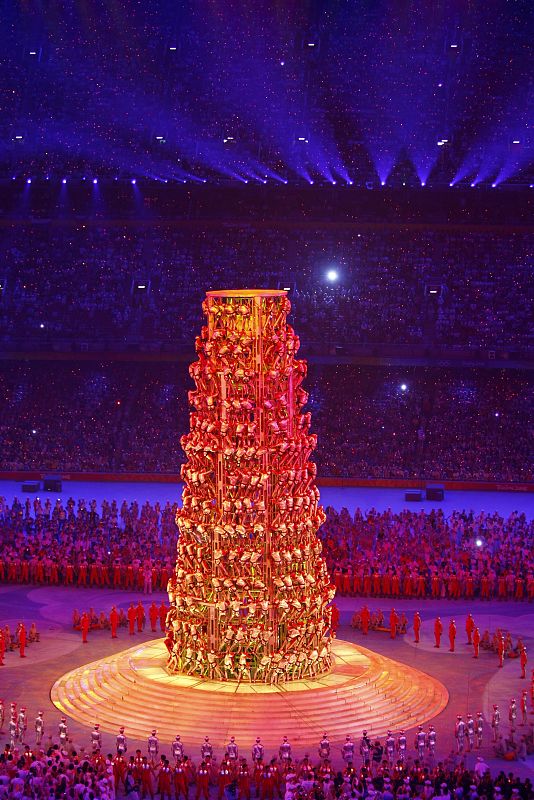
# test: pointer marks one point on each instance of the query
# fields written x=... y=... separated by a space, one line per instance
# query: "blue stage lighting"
x=403 y=387
x=95 y=181
x=332 y=275
x=28 y=180
x=133 y=181
x=64 y=180
x=382 y=183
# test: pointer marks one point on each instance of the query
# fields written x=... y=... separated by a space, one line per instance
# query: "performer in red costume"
x=452 y=635
x=438 y=630
x=203 y=781
x=365 y=620
x=416 y=626
x=393 y=622
x=84 y=623
x=469 y=628
x=114 y=621
x=132 y=616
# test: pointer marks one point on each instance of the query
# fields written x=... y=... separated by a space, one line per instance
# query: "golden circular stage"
x=364 y=690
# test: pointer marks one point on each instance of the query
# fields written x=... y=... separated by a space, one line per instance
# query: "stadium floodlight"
x=332 y=275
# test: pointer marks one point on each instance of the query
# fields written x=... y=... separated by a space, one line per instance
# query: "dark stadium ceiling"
x=344 y=93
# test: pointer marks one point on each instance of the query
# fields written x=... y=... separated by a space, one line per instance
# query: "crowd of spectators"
x=371 y=422
x=427 y=554
x=407 y=554
x=140 y=287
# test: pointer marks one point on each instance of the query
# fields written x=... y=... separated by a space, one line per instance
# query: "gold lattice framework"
x=250 y=595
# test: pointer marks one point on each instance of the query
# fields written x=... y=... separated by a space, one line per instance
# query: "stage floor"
x=472 y=685
x=351 y=498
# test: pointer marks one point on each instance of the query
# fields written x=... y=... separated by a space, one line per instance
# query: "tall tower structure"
x=250 y=595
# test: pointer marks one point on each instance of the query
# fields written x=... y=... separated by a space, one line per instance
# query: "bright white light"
x=287 y=289
x=95 y=181
x=41 y=325
x=28 y=180
x=64 y=180
x=18 y=136
x=515 y=141
x=382 y=183
x=403 y=387
x=34 y=431
x=172 y=49
x=33 y=53
x=134 y=181
x=497 y=414
x=332 y=275
x=311 y=44
x=282 y=63
x=423 y=183
x=479 y=542
x=454 y=46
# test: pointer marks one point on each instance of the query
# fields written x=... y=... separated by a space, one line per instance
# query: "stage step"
x=364 y=690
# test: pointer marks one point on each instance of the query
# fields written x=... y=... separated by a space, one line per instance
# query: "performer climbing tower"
x=250 y=595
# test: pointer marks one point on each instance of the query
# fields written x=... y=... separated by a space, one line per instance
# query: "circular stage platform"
x=364 y=690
